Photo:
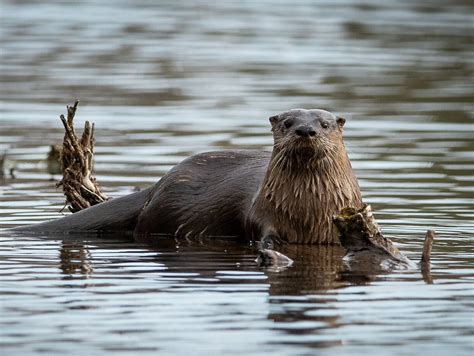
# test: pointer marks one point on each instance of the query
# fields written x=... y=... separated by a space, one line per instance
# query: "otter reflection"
x=316 y=268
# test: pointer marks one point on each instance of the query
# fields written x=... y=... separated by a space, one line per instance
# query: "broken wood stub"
x=361 y=235
x=79 y=185
x=426 y=256
x=363 y=240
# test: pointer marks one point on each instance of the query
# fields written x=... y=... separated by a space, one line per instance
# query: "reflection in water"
x=302 y=300
x=74 y=259
x=426 y=272
x=316 y=268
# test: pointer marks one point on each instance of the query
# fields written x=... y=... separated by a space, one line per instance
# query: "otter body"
x=208 y=194
x=289 y=194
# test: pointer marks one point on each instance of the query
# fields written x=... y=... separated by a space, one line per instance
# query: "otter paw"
x=266 y=243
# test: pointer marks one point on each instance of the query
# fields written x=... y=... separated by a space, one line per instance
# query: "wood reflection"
x=75 y=259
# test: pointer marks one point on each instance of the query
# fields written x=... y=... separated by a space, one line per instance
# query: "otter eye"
x=288 y=123
x=324 y=125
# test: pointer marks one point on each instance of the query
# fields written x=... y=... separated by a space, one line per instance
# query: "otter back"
x=208 y=194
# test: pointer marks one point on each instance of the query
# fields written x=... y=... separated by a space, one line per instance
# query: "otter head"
x=309 y=178
x=307 y=134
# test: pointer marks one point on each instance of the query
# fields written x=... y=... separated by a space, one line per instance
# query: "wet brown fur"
x=307 y=181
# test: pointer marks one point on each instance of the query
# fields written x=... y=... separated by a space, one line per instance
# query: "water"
x=165 y=81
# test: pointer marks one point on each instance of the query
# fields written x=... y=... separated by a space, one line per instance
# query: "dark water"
x=163 y=80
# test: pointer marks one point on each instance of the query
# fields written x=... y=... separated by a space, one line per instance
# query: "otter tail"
x=115 y=215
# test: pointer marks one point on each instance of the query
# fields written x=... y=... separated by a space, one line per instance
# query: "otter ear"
x=340 y=121
x=274 y=119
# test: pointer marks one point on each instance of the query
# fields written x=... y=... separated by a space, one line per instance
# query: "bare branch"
x=79 y=185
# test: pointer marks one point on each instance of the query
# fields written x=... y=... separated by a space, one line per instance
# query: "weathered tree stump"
x=79 y=185
x=360 y=235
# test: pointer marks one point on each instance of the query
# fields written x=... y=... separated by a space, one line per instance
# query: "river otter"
x=287 y=195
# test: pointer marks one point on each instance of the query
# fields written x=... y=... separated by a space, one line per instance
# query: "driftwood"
x=426 y=256
x=79 y=185
x=360 y=235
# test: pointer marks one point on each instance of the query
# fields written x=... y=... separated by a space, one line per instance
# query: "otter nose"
x=305 y=131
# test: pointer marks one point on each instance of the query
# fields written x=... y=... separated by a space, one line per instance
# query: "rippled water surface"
x=164 y=80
